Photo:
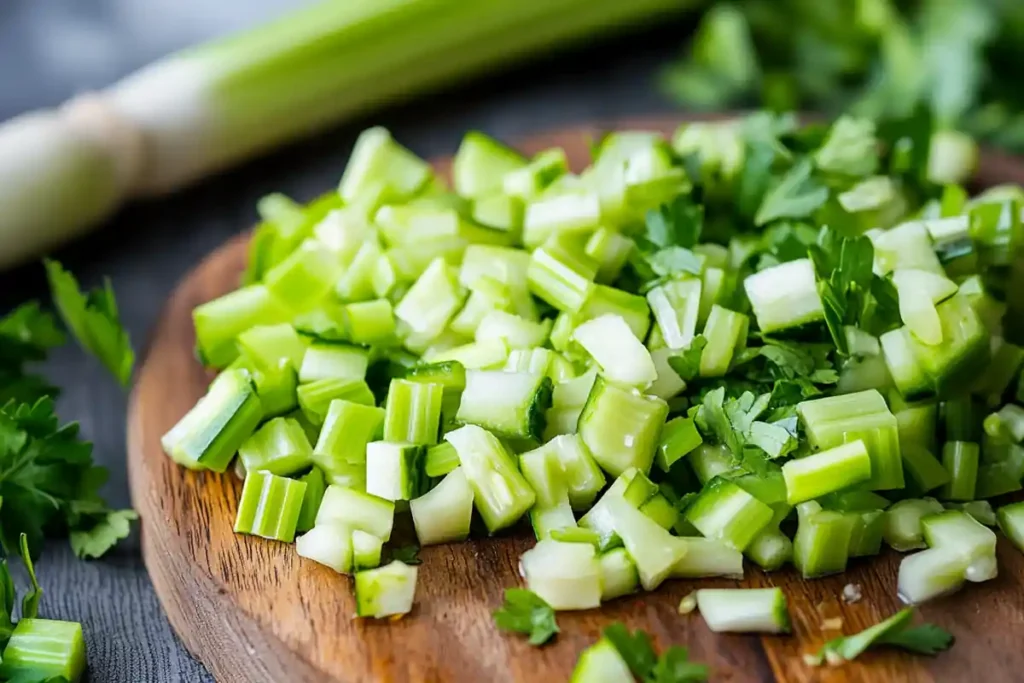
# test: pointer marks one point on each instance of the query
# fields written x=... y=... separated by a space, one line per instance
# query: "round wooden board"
x=253 y=611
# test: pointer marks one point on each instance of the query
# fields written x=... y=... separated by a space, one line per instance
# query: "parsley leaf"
x=409 y=554
x=636 y=649
x=96 y=540
x=925 y=639
x=94 y=321
x=677 y=223
x=686 y=363
x=797 y=195
x=843 y=266
x=773 y=439
x=525 y=612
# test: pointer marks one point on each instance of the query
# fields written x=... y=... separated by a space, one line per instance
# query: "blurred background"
x=956 y=60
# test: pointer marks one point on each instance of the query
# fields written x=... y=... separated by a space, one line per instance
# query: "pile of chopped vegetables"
x=755 y=342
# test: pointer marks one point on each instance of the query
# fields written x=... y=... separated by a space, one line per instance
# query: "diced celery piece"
x=366 y=550
x=219 y=322
x=44 y=649
x=356 y=282
x=835 y=469
x=866 y=534
x=901 y=526
x=601 y=663
x=653 y=549
x=303 y=279
x=907 y=245
x=413 y=412
x=668 y=384
x=632 y=308
x=280 y=447
x=542 y=170
x=418 y=224
x=617 y=351
x=560 y=277
x=444 y=513
x=481 y=164
x=770 y=549
x=611 y=249
x=679 y=437
x=822 y=541
x=330 y=544
x=543 y=472
x=930 y=574
x=500 y=212
x=582 y=474
x=394 y=470
x=380 y=166
x=675 y=305
x=725 y=512
x=357 y=510
x=431 y=302
x=1011 y=523
x=340 y=450
x=621 y=427
x=916 y=427
x=706 y=557
x=726 y=333
x=315 y=487
x=960 y=459
x=571 y=212
x=270 y=506
x=744 y=610
x=906 y=372
x=487 y=294
x=509 y=403
x=784 y=296
x=271 y=346
x=517 y=332
x=632 y=486
x=440 y=459
x=315 y=398
x=275 y=387
x=618 y=574
x=475 y=356
x=964 y=352
x=980 y=510
x=208 y=436
x=835 y=420
x=343 y=231
x=370 y=322
x=958 y=532
x=663 y=512
x=549 y=520
x=386 y=591
x=567 y=576
x=501 y=494
x=717 y=286
x=709 y=461
x=333 y=361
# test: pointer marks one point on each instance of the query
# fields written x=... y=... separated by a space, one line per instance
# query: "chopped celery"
x=707 y=557
x=219 y=322
x=770 y=549
x=549 y=520
x=632 y=308
x=518 y=332
x=280 y=447
x=475 y=356
x=316 y=398
x=305 y=277
x=366 y=550
x=270 y=346
x=545 y=167
x=1011 y=522
x=277 y=388
x=430 y=303
x=632 y=486
x=866 y=535
x=833 y=470
x=394 y=471
x=568 y=212
x=616 y=350
x=901 y=526
x=357 y=510
x=709 y=461
x=661 y=510
x=675 y=305
x=443 y=514
x=618 y=574
x=822 y=541
x=904 y=368
x=208 y=436
x=543 y=471
x=916 y=427
x=960 y=459
x=582 y=474
x=668 y=384
x=330 y=544
x=784 y=296
x=679 y=437
x=413 y=412
x=744 y=610
x=440 y=459
x=560 y=278
x=980 y=510
x=725 y=512
x=611 y=250
x=386 y=591
x=380 y=165
x=340 y=450
x=567 y=576
x=509 y=403
x=601 y=663
x=653 y=549
x=500 y=212
x=501 y=494
x=621 y=426
x=315 y=487
x=270 y=506
x=964 y=352
x=481 y=164
x=958 y=532
x=333 y=361
x=930 y=574
x=44 y=649
x=726 y=334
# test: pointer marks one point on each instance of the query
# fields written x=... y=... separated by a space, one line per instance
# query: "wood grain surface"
x=253 y=611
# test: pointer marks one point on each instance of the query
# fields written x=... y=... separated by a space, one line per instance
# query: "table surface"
x=149 y=247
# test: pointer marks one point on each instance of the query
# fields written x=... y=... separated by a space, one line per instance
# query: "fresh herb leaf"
x=774 y=439
x=797 y=195
x=686 y=363
x=925 y=639
x=409 y=554
x=93 y=319
x=851 y=148
x=677 y=223
x=636 y=649
x=525 y=612
x=96 y=540
x=29 y=603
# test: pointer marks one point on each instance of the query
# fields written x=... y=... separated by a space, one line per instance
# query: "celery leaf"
x=526 y=612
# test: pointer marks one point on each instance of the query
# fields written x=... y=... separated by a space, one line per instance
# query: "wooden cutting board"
x=253 y=611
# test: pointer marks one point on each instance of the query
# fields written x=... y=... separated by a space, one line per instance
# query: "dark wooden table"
x=148 y=248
